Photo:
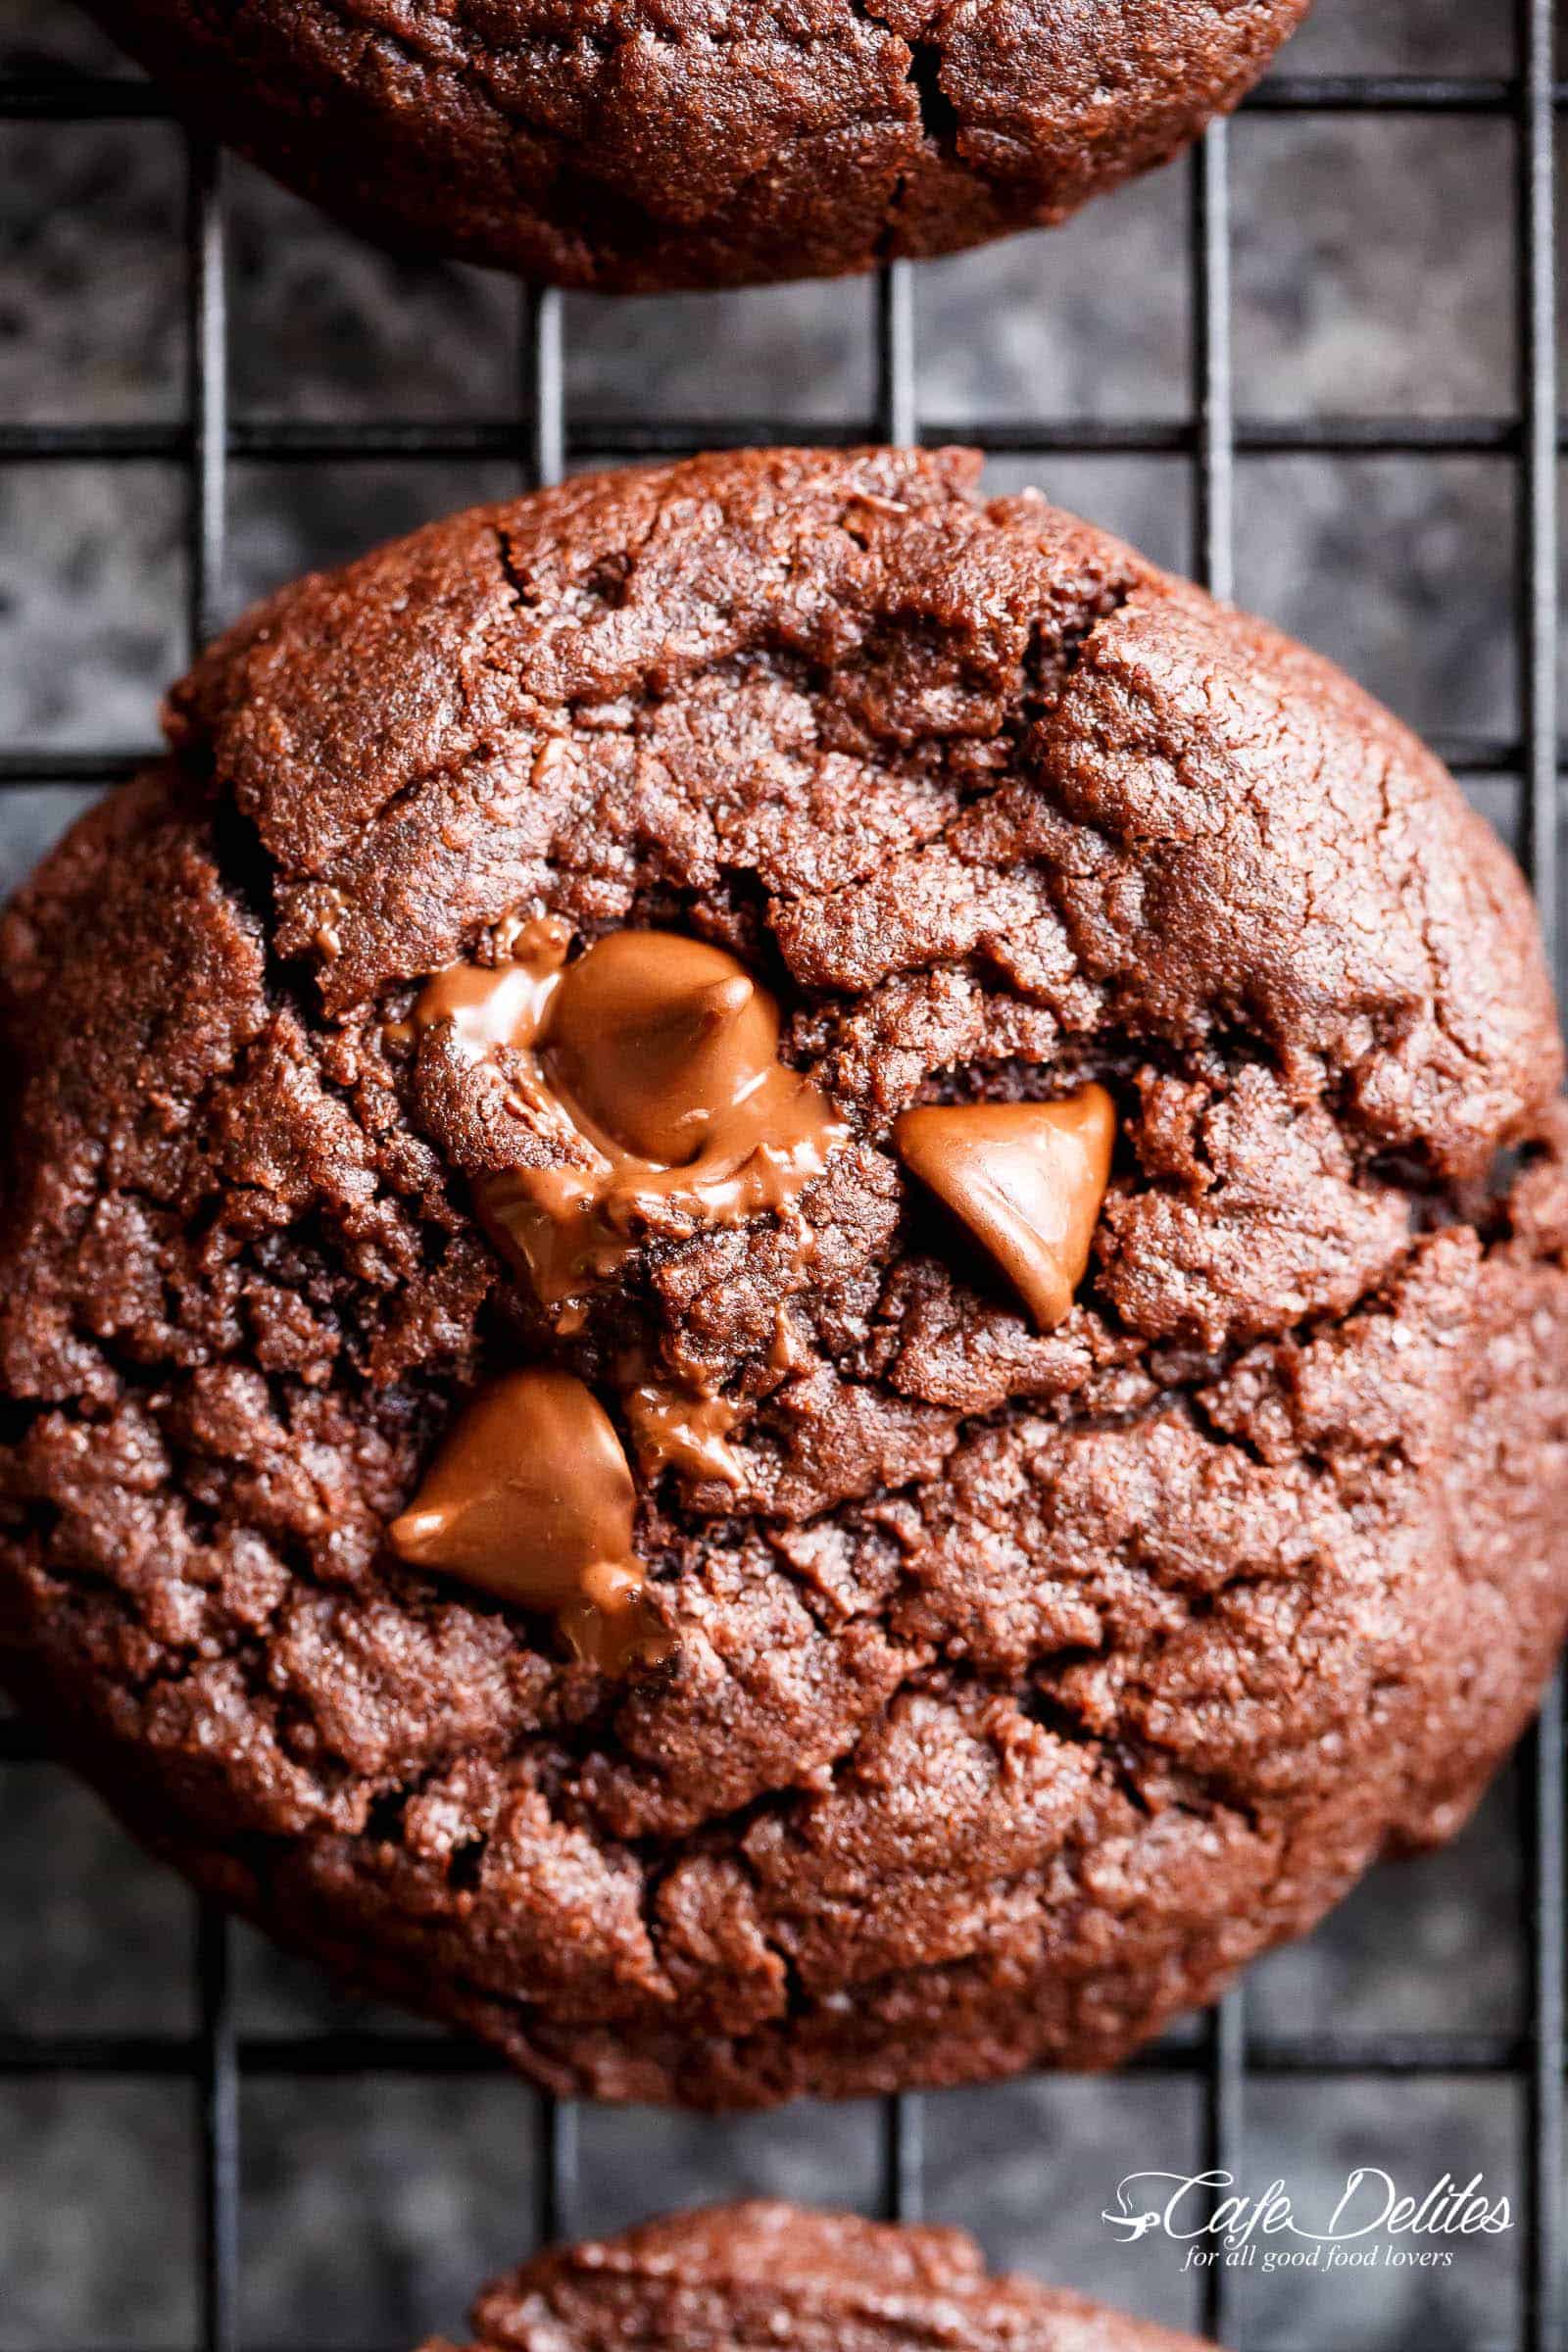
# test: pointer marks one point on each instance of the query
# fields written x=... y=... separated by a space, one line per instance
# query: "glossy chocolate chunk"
x=676 y=1428
x=1026 y=1178
x=651 y=1068
x=657 y=1038
x=501 y=1005
x=531 y=1498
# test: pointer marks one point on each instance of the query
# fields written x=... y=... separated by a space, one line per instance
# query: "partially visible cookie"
x=665 y=143
x=774 y=2276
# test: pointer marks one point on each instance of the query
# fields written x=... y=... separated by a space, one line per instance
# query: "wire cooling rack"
x=217 y=2057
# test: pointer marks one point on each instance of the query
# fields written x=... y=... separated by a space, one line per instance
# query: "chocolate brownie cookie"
x=782 y=1293
x=665 y=143
x=767 y=2275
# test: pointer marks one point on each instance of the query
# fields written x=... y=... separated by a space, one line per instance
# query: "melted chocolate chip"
x=490 y=1007
x=657 y=1039
x=530 y=1497
x=1026 y=1178
x=674 y=1428
x=652 y=1067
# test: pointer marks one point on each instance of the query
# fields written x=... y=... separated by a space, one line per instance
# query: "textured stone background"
x=1373 y=269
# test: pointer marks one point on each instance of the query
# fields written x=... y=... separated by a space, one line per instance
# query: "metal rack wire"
x=546 y=437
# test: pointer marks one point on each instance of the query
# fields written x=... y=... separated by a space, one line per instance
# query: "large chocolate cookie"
x=768 y=2276
x=883 y=1476
x=656 y=143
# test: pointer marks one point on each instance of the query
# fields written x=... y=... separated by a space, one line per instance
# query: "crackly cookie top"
x=1087 y=1597
x=628 y=145
x=764 y=2273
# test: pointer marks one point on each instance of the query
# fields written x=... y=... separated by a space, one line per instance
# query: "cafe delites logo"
x=1374 y=2223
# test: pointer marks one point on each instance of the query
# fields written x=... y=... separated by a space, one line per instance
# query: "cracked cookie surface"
x=632 y=145
x=764 y=2273
x=1027 y=1682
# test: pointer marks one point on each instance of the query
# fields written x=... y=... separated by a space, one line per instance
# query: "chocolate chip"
x=653 y=1074
x=531 y=1498
x=656 y=1038
x=1026 y=1178
x=501 y=1005
x=676 y=1428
